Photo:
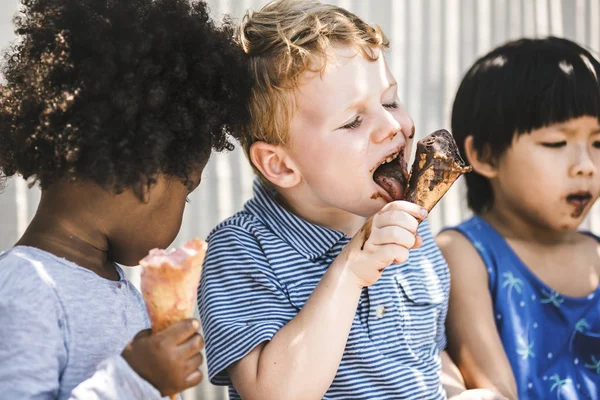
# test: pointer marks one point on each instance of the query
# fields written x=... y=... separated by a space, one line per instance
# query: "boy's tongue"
x=392 y=178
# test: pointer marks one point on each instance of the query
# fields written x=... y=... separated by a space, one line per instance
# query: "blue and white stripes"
x=263 y=264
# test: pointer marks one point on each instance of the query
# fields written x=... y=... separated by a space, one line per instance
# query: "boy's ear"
x=482 y=161
x=275 y=164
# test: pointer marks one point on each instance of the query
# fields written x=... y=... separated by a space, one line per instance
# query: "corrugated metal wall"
x=433 y=43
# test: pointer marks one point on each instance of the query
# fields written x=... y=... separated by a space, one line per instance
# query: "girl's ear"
x=482 y=161
x=275 y=164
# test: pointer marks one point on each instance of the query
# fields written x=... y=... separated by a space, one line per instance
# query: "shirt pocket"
x=423 y=300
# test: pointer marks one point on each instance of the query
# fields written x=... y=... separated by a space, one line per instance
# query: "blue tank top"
x=552 y=341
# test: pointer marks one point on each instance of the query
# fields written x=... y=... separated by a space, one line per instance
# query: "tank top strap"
x=493 y=249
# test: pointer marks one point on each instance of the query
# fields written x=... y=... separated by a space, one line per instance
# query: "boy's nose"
x=387 y=130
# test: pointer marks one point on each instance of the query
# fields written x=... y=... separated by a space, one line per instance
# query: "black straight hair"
x=516 y=88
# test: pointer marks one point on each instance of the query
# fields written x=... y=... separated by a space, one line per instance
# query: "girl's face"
x=154 y=223
x=550 y=177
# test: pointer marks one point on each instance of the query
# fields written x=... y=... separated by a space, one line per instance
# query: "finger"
x=398 y=218
x=418 y=242
x=396 y=254
x=394 y=235
x=192 y=364
x=143 y=334
x=192 y=346
x=181 y=331
x=411 y=208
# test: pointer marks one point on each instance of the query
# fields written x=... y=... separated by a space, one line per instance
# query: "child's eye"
x=392 y=106
x=555 y=145
x=596 y=145
x=354 y=124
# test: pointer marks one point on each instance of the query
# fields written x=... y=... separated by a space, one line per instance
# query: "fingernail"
x=195 y=324
x=423 y=212
x=193 y=375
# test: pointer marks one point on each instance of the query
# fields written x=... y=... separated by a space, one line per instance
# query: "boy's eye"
x=354 y=124
x=596 y=144
x=555 y=145
x=392 y=106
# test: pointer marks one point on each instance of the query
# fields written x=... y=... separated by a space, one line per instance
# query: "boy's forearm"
x=303 y=357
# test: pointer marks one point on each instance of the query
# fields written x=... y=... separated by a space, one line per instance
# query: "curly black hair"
x=117 y=91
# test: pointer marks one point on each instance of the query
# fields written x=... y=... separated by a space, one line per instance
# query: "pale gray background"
x=433 y=43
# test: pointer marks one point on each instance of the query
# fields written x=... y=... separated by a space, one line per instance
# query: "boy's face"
x=551 y=175
x=347 y=121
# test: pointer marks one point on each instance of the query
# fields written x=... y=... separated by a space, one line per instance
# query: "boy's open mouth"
x=391 y=175
x=580 y=201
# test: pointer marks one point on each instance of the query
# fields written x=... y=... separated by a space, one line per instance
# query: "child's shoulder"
x=27 y=272
x=240 y=224
x=240 y=236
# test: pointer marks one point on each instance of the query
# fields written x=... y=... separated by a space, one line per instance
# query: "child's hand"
x=385 y=238
x=478 y=394
x=169 y=359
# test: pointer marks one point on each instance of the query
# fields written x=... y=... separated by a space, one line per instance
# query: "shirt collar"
x=311 y=240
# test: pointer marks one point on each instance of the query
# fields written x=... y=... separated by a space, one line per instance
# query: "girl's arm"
x=475 y=347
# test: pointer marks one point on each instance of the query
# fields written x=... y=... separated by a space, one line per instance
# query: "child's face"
x=154 y=223
x=550 y=176
x=347 y=121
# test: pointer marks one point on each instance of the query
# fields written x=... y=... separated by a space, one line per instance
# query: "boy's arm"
x=308 y=349
x=268 y=348
x=475 y=347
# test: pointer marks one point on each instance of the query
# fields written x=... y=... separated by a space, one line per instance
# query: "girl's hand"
x=169 y=359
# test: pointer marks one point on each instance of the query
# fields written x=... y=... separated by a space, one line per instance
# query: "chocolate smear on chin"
x=437 y=166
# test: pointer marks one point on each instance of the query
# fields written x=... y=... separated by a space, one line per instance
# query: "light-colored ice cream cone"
x=169 y=282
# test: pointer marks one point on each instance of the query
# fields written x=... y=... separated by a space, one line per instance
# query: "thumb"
x=142 y=334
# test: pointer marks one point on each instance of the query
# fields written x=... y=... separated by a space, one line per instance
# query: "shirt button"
x=119 y=285
x=379 y=311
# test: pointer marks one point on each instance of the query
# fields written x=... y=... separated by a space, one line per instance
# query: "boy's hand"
x=385 y=238
x=478 y=394
x=169 y=359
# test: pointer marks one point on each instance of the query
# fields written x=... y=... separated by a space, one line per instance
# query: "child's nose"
x=387 y=130
x=584 y=164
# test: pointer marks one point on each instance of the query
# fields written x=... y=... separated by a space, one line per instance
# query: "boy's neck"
x=335 y=219
x=514 y=227
x=63 y=227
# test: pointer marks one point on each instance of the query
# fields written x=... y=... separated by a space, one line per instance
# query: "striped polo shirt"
x=263 y=264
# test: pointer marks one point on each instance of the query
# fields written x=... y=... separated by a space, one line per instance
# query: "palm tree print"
x=558 y=384
x=511 y=282
x=582 y=325
x=553 y=298
x=595 y=366
x=524 y=349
